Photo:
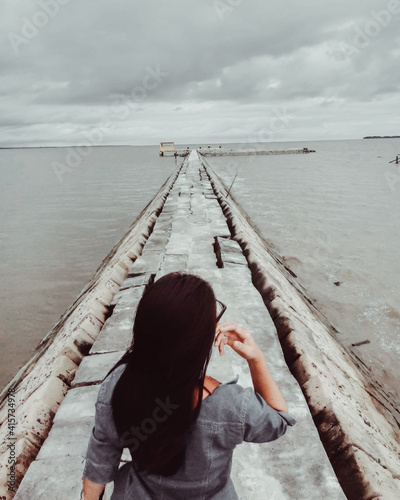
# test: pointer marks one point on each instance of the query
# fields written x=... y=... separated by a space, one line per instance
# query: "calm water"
x=55 y=235
x=331 y=214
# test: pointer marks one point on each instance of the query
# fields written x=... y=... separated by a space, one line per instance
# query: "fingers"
x=228 y=334
x=241 y=349
x=233 y=327
x=224 y=341
x=224 y=337
x=220 y=341
x=238 y=338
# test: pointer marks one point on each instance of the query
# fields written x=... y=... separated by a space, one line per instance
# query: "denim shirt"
x=230 y=415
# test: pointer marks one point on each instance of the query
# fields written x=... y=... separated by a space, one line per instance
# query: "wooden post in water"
x=229 y=190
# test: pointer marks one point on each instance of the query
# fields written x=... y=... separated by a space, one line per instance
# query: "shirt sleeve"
x=261 y=422
x=104 y=449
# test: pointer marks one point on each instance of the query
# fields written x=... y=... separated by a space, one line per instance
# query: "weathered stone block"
x=83 y=341
x=118 y=274
x=64 y=368
x=37 y=412
x=62 y=476
x=48 y=396
x=94 y=368
x=25 y=451
x=72 y=350
x=108 y=292
x=129 y=296
x=125 y=262
x=179 y=243
x=147 y=263
x=66 y=439
x=113 y=340
x=78 y=405
x=91 y=325
x=135 y=281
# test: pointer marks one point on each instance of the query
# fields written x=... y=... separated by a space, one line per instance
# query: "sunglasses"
x=221 y=308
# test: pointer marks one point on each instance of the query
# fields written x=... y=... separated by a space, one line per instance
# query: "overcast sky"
x=143 y=71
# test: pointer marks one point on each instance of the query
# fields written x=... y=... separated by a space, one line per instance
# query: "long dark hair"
x=153 y=401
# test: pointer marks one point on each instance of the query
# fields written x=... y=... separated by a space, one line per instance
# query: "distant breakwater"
x=254 y=152
x=382 y=137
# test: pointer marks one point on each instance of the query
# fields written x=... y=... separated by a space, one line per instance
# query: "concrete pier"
x=254 y=152
x=190 y=234
x=250 y=151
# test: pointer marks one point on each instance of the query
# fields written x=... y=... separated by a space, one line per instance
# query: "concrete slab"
x=179 y=243
x=219 y=228
x=164 y=223
x=129 y=296
x=78 y=404
x=95 y=367
x=182 y=212
x=58 y=478
x=72 y=424
x=227 y=244
x=159 y=231
x=217 y=218
x=203 y=253
x=199 y=220
x=232 y=260
x=180 y=224
x=230 y=252
x=148 y=262
x=122 y=316
x=66 y=440
x=175 y=260
x=112 y=340
x=156 y=242
x=135 y=279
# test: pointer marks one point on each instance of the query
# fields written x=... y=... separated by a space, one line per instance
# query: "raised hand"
x=237 y=337
x=241 y=341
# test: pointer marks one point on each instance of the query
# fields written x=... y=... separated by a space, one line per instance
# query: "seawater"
x=333 y=215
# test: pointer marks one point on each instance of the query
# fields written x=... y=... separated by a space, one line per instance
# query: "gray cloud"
x=228 y=70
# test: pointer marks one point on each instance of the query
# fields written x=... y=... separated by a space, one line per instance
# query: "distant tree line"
x=382 y=137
